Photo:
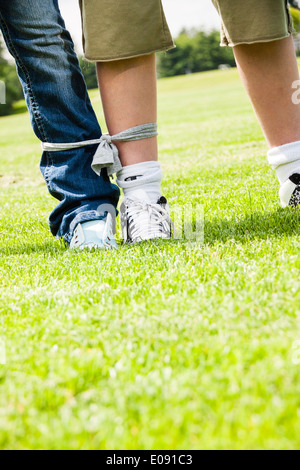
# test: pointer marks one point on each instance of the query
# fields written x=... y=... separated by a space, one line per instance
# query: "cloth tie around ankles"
x=107 y=155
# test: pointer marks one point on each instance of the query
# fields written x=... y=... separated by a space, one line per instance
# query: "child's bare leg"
x=268 y=71
x=115 y=33
x=129 y=97
x=260 y=33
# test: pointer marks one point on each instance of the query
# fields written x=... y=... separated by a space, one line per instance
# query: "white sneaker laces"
x=144 y=221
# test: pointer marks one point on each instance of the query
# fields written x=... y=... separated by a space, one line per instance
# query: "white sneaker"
x=141 y=220
x=94 y=234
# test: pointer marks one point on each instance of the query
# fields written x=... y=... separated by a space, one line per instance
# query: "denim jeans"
x=60 y=110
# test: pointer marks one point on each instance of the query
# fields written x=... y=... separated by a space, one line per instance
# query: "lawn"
x=165 y=345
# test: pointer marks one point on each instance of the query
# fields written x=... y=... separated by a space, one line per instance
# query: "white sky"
x=180 y=13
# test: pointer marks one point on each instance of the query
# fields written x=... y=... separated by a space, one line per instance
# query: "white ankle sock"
x=146 y=176
x=285 y=160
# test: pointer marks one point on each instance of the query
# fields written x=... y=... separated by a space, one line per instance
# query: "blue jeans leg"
x=60 y=110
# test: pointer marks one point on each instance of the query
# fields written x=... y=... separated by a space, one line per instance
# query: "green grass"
x=164 y=345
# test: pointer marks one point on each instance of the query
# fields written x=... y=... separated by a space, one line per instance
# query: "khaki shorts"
x=122 y=29
x=253 y=21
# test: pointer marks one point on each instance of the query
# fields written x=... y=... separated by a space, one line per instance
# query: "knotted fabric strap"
x=107 y=155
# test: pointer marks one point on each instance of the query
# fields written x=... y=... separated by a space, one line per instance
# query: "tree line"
x=196 y=51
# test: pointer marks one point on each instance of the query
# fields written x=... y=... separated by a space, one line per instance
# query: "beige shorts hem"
x=255 y=41
x=130 y=55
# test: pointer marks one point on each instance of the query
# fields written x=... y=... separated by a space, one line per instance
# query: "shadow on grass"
x=257 y=225
x=282 y=222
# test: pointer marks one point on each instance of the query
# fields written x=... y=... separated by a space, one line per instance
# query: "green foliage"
x=296 y=18
x=9 y=76
x=89 y=72
x=196 y=51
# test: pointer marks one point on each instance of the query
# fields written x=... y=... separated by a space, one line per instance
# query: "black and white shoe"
x=141 y=220
x=290 y=192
